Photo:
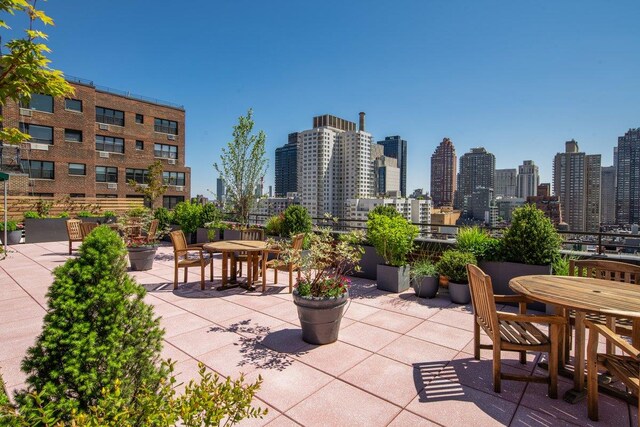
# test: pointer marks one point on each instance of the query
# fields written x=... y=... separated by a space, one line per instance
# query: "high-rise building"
x=287 y=166
x=576 y=181
x=443 y=174
x=547 y=203
x=334 y=164
x=386 y=176
x=396 y=147
x=505 y=183
x=477 y=169
x=608 y=195
x=628 y=178
x=93 y=144
x=220 y=190
x=528 y=179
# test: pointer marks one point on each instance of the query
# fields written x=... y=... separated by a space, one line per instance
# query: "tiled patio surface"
x=400 y=361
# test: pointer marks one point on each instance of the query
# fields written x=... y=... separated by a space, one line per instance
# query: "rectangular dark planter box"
x=38 y=230
x=172 y=227
x=393 y=279
x=202 y=235
x=501 y=272
x=232 y=234
x=369 y=263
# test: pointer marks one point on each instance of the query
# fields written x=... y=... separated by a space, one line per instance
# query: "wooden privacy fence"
x=18 y=205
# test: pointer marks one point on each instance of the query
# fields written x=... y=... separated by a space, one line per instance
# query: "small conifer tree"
x=97 y=330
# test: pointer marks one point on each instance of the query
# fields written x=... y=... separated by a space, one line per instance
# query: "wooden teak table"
x=228 y=248
x=584 y=295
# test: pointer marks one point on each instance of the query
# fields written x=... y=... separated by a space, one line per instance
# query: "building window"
x=109 y=116
x=73 y=135
x=137 y=175
x=38 y=169
x=77 y=169
x=170 y=202
x=165 y=126
x=165 y=151
x=77 y=195
x=39 y=134
x=39 y=103
x=106 y=174
x=139 y=118
x=109 y=143
x=173 y=178
x=73 y=104
x=139 y=145
x=106 y=196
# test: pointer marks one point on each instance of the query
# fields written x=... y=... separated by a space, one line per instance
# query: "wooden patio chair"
x=278 y=264
x=512 y=332
x=625 y=367
x=153 y=230
x=248 y=234
x=181 y=258
x=87 y=227
x=608 y=270
x=74 y=232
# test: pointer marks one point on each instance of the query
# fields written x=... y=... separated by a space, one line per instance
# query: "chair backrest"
x=484 y=305
x=605 y=269
x=178 y=241
x=153 y=229
x=73 y=229
x=252 y=234
x=87 y=227
x=297 y=241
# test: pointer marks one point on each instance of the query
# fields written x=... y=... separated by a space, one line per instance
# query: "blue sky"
x=519 y=78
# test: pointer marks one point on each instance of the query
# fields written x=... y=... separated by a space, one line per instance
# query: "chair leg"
x=275 y=275
x=201 y=275
x=186 y=274
x=69 y=247
x=290 y=279
x=211 y=269
x=175 y=276
x=264 y=273
x=553 y=361
x=592 y=376
x=497 y=384
x=476 y=339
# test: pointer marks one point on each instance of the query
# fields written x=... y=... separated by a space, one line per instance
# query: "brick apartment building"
x=91 y=144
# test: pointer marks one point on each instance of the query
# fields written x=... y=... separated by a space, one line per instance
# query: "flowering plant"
x=328 y=260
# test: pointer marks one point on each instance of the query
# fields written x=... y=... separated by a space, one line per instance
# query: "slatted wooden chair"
x=87 y=227
x=278 y=264
x=74 y=232
x=248 y=234
x=512 y=332
x=153 y=230
x=181 y=258
x=608 y=270
x=624 y=367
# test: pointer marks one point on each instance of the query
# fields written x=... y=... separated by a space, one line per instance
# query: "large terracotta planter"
x=393 y=279
x=320 y=317
x=141 y=258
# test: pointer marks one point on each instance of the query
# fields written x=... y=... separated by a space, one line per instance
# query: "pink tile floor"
x=400 y=360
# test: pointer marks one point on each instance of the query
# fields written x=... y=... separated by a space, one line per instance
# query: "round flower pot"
x=427 y=287
x=13 y=237
x=141 y=258
x=459 y=293
x=320 y=317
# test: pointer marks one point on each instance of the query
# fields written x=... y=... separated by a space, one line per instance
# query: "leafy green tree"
x=389 y=211
x=296 y=220
x=97 y=330
x=154 y=186
x=24 y=67
x=242 y=164
x=531 y=237
x=189 y=216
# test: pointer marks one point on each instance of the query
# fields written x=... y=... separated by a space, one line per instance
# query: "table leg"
x=578 y=392
x=249 y=269
x=635 y=334
x=225 y=267
x=234 y=273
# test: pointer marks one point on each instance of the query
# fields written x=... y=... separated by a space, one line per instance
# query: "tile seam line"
x=23 y=289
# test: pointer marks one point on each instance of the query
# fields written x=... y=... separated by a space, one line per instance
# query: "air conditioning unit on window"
x=41 y=147
x=112 y=186
x=104 y=154
x=25 y=112
x=171 y=137
x=179 y=188
x=172 y=161
x=103 y=126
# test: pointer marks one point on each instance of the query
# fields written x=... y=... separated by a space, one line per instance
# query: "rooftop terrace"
x=399 y=361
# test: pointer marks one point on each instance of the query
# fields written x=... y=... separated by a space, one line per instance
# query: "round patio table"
x=584 y=295
x=228 y=248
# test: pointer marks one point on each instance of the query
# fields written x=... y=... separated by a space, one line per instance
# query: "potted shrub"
x=273 y=226
x=109 y=217
x=371 y=258
x=530 y=245
x=209 y=228
x=453 y=264
x=166 y=221
x=14 y=232
x=322 y=290
x=39 y=227
x=134 y=226
x=425 y=278
x=393 y=239
x=189 y=216
x=295 y=220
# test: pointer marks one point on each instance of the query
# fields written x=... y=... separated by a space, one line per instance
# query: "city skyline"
x=483 y=75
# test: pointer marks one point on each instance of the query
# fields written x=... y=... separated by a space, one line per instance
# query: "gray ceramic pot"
x=320 y=317
x=459 y=293
x=427 y=287
x=393 y=279
x=141 y=258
